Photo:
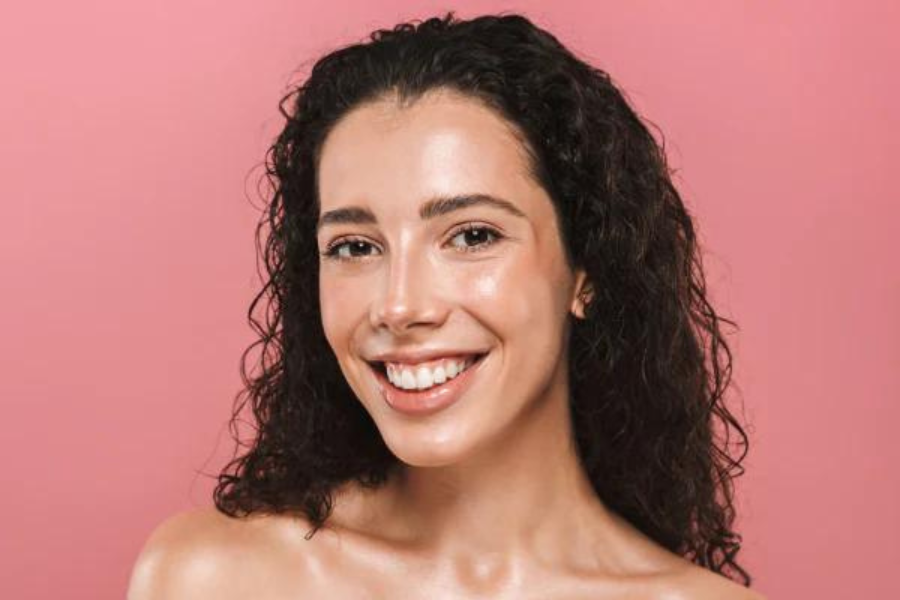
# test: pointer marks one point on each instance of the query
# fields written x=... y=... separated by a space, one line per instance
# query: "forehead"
x=443 y=144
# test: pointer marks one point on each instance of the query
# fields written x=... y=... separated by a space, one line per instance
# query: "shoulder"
x=697 y=583
x=670 y=576
x=203 y=553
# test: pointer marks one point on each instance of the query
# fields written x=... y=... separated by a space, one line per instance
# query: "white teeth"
x=422 y=378
x=407 y=381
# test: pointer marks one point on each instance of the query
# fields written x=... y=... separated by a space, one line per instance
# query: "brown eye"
x=349 y=250
x=475 y=237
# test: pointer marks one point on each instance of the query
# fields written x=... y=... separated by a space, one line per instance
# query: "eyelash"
x=331 y=252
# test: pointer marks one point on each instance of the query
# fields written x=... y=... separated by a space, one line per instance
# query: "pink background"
x=131 y=137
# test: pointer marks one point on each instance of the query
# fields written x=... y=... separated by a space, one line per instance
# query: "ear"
x=584 y=293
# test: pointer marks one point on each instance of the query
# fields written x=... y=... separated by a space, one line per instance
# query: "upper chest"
x=337 y=575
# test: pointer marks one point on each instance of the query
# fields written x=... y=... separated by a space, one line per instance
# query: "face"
x=438 y=247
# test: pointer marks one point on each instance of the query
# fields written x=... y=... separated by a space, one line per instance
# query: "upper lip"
x=419 y=356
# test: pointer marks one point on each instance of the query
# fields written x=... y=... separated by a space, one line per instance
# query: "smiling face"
x=437 y=244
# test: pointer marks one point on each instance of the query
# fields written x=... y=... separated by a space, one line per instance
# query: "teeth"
x=407 y=381
x=422 y=378
x=453 y=370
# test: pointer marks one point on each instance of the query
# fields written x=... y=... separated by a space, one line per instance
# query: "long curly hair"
x=649 y=363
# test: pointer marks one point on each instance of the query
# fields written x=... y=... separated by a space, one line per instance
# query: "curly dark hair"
x=649 y=363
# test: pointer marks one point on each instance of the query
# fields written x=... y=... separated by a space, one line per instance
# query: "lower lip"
x=426 y=402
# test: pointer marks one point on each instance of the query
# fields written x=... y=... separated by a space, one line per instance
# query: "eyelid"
x=345 y=239
x=330 y=251
x=498 y=234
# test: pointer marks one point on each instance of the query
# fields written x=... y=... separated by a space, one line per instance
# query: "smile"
x=424 y=388
x=427 y=375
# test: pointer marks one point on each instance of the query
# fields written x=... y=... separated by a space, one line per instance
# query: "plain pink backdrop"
x=130 y=134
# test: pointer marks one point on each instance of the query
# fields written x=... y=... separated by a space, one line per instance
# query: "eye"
x=348 y=249
x=474 y=237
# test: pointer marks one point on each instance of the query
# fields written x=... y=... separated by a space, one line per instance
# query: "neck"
x=525 y=496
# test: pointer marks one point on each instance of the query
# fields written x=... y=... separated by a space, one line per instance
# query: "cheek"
x=338 y=299
x=515 y=298
x=521 y=305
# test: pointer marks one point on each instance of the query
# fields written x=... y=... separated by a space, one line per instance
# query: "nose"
x=408 y=295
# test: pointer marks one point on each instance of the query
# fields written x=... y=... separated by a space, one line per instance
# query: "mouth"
x=424 y=376
x=424 y=389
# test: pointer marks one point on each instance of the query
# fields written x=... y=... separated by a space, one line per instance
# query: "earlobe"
x=584 y=293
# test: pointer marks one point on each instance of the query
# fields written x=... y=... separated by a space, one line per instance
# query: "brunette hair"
x=649 y=364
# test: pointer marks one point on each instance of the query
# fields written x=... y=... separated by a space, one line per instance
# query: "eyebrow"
x=431 y=209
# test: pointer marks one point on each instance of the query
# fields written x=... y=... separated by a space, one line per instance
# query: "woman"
x=489 y=367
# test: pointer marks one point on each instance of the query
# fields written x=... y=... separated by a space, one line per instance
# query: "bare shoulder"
x=696 y=583
x=203 y=553
x=668 y=575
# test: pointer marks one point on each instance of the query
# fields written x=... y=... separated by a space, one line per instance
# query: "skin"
x=492 y=501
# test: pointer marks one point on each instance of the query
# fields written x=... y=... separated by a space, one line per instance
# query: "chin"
x=429 y=445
